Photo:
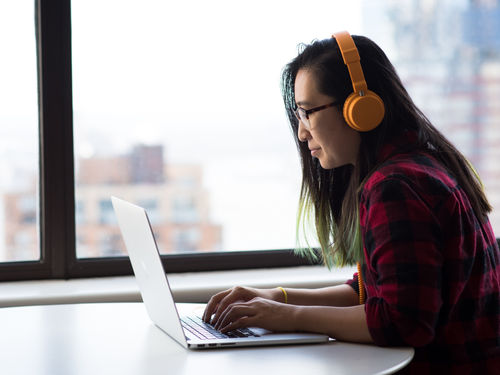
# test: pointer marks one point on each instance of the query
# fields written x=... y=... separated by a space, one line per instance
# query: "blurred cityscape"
x=173 y=195
x=446 y=51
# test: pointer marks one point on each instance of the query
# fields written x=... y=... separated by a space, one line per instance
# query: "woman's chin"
x=326 y=164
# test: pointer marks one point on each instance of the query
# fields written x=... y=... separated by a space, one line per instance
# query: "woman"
x=387 y=190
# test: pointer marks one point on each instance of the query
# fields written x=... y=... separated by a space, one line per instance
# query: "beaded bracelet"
x=361 y=286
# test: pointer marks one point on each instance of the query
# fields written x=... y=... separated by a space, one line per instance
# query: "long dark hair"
x=330 y=197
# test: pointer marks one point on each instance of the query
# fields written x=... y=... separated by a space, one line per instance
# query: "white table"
x=119 y=338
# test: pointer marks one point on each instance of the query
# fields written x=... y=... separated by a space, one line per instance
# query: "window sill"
x=186 y=287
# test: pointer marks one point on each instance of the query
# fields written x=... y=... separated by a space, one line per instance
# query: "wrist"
x=276 y=294
x=296 y=317
x=284 y=295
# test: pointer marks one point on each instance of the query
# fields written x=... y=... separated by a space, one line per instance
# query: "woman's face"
x=329 y=138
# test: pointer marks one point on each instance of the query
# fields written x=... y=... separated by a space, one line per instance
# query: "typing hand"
x=258 y=312
x=219 y=302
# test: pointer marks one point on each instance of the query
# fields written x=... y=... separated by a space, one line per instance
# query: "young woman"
x=387 y=190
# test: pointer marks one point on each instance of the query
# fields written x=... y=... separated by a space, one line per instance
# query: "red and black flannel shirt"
x=432 y=269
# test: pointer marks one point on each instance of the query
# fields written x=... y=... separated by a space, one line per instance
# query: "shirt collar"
x=398 y=144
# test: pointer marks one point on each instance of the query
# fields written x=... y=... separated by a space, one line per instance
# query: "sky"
x=200 y=77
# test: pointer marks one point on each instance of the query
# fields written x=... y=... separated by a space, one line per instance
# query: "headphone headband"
x=351 y=58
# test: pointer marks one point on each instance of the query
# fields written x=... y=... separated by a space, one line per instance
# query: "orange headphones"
x=363 y=109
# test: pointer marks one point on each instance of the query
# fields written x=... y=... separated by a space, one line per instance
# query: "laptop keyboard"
x=197 y=328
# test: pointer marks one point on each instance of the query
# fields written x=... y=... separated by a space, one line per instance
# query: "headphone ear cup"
x=363 y=113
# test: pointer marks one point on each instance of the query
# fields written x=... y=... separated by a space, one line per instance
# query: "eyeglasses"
x=303 y=114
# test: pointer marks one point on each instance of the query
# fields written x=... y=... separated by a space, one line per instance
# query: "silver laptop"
x=189 y=331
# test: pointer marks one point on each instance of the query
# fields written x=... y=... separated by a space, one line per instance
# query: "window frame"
x=57 y=182
x=57 y=191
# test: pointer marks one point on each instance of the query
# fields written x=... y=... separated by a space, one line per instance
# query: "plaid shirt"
x=432 y=270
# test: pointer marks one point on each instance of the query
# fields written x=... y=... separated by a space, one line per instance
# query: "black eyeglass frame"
x=303 y=114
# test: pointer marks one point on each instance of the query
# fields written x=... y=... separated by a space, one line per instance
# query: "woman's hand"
x=220 y=302
x=258 y=312
x=240 y=307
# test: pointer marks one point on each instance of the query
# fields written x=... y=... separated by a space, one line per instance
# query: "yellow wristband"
x=284 y=293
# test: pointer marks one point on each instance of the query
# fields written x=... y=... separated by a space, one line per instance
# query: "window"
x=449 y=60
x=184 y=210
x=187 y=239
x=154 y=116
x=80 y=213
x=19 y=226
x=171 y=105
x=106 y=213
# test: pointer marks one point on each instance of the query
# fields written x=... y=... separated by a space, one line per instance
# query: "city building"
x=173 y=195
x=448 y=56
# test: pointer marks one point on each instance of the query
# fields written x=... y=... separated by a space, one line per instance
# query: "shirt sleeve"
x=353 y=283
x=401 y=236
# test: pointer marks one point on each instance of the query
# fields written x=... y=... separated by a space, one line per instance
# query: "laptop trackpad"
x=260 y=331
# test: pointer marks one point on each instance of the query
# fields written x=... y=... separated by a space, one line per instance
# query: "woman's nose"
x=302 y=133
